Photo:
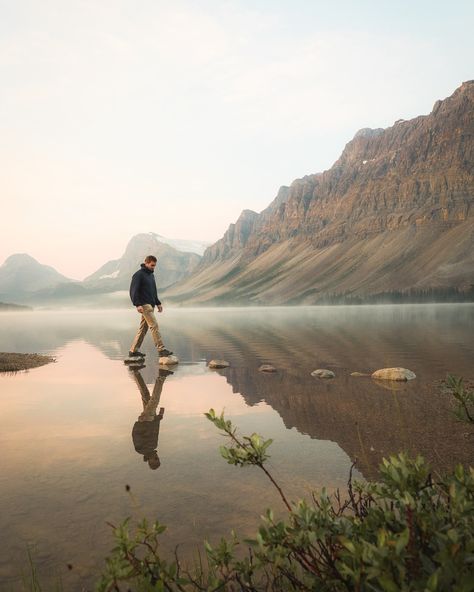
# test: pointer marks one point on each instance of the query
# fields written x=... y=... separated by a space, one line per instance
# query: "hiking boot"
x=164 y=352
x=136 y=354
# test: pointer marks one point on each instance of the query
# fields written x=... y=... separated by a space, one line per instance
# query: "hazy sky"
x=126 y=116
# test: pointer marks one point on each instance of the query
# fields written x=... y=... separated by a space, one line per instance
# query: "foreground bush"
x=405 y=532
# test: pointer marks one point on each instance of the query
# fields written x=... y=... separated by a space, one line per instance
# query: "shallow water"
x=66 y=428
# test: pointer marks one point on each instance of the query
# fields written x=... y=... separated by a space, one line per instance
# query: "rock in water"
x=267 y=368
x=218 y=364
x=168 y=360
x=323 y=373
x=394 y=374
x=359 y=374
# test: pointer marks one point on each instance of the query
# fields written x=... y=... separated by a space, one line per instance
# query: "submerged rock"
x=323 y=373
x=359 y=374
x=267 y=368
x=168 y=360
x=394 y=374
x=218 y=364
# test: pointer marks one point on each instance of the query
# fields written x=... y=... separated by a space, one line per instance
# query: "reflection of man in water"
x=147 y=428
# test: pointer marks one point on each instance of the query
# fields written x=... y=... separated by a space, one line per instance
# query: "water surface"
x=70 y=441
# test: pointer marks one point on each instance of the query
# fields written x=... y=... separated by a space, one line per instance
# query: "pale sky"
x=127 y=116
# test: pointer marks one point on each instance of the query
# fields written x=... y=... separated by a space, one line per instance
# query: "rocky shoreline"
x=14 y=362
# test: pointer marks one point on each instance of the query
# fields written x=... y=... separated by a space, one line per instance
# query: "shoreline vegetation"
x=313 y=297
x=14 y=362
x=408 y=530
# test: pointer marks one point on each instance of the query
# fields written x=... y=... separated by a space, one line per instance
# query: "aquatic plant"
x=405 y=532
x=464 y=398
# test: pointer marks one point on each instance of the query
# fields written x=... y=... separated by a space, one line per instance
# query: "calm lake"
x=70 y=442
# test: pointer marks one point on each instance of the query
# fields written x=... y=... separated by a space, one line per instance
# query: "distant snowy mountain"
x=173 y=264
x=187 y=246
x=25 y=280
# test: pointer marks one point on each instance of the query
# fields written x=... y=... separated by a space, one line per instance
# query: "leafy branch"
x=463 y=396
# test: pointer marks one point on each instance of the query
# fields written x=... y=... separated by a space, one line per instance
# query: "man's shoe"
x=136 y=354
x=164 y=352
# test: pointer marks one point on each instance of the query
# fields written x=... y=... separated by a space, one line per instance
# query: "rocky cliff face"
x=393 y=213
x=237 y=235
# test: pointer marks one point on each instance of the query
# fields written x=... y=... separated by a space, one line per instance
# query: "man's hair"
x=150 y=258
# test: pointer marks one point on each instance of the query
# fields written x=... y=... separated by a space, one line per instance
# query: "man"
x=145 y=297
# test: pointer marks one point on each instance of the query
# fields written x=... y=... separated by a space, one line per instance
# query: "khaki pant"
x=148 y=321
x=150 y=403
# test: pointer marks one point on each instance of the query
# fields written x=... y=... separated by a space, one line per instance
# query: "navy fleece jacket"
x=143 y=287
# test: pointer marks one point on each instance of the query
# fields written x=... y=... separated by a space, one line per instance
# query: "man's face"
x=150 y=265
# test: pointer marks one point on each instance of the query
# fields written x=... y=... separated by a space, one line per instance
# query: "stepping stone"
x=216 y=364
x=323 y=373
x=134 y=361
x=394 y=374
x=168 y=360
x=267 y=368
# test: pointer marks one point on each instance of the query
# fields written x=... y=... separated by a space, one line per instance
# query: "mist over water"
x=66 y=429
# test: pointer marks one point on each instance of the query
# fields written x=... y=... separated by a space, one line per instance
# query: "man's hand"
x=160 y=308
x=140 y=309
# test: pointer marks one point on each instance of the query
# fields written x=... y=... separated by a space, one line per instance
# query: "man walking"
x=145 y=297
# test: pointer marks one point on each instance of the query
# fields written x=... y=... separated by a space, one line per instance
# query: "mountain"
x=23 y=279
x=21 y=275
x=185 y=245
x=173 y=264
x=393 y=214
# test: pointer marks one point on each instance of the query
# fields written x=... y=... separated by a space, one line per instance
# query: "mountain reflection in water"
x=74 y=433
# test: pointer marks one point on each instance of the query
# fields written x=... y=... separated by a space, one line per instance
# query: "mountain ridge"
x=406 y=191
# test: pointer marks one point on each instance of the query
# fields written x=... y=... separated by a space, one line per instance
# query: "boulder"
x=267 y=368
x=216 y=364
x=168 y=360
x=323 y=373
x=398 y=374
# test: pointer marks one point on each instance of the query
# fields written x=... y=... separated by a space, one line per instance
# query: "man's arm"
x=135 y=289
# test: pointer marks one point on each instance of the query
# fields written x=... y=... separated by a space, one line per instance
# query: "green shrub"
x=404 y=532
x=463 y=396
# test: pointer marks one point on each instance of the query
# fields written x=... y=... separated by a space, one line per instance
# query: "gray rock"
x=323 y=373
x=394 y=374
x=168 y=360
x=216 y=364
x=267 y=368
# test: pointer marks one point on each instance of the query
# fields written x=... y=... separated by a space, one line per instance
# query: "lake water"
x=70 y=442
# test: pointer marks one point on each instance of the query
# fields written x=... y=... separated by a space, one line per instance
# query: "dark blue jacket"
x=143 y=287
